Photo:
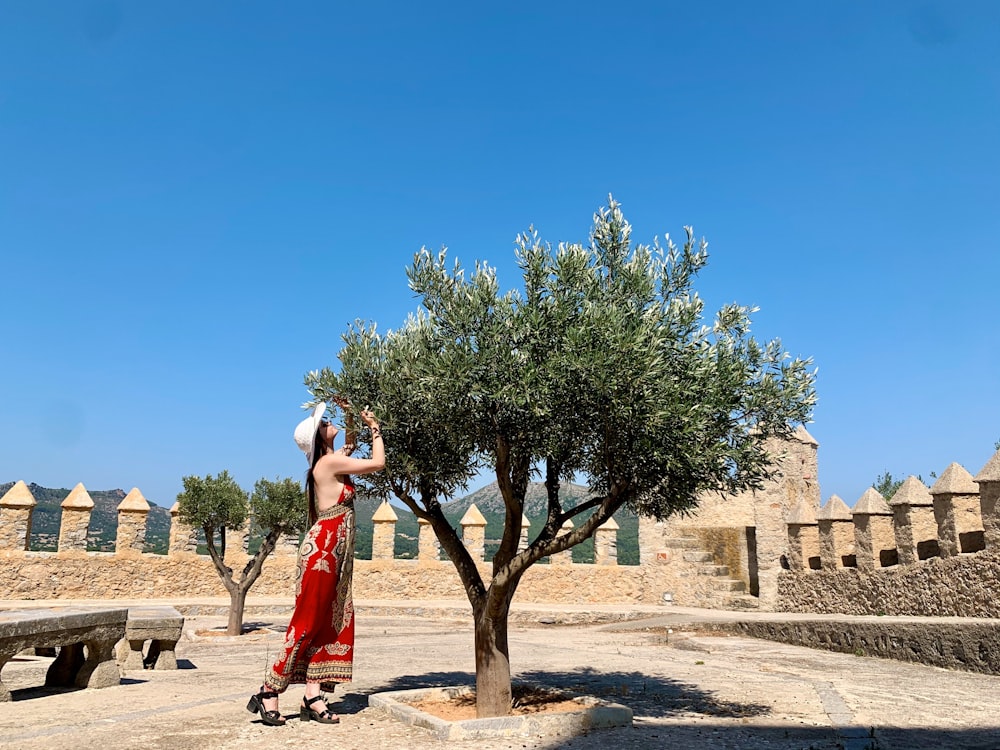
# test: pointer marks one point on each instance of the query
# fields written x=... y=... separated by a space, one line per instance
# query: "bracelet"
x=376 y=433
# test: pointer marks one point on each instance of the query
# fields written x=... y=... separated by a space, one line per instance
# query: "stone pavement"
x=688 y=687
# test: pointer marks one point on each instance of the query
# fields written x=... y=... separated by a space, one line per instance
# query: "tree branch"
x=501 y=592
x=225 y=572
x=253 y=568
x=543 y=547
x=552 y=522
x=409 y=501
x=468 y=572
x=512 y=481
x=582 y=507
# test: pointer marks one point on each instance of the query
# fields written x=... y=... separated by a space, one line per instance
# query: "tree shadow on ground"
x=647 y=695
x=348 y=703
x=247 y=627
x=672 y=713
x=897 y=738
x=263 y=625
x=427 y=680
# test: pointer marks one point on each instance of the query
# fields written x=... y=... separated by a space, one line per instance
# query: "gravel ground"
x=687 y=690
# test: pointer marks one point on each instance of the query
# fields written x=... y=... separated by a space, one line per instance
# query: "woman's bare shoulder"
x=327 y=465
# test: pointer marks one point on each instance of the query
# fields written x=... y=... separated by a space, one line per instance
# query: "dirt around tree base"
x=527 y=700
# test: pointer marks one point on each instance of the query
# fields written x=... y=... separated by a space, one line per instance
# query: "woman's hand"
x=368 y=417
x=345 y=407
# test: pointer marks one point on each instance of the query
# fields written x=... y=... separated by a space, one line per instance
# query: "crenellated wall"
x=72 y=572
x=929 y=551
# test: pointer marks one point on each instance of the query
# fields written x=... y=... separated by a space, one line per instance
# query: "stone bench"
x=71 y=629
x=161 y=626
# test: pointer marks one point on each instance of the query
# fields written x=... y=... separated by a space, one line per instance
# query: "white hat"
x=305 y=431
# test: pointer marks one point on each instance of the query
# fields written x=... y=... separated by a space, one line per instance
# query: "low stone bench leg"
x=161 y=654
x=62 y=672
x=4 y=690
x=130 y=655
x=101 y=669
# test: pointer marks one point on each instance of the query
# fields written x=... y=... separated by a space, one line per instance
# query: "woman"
x=319 y=642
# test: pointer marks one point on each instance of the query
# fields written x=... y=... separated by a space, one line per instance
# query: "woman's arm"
x=342 y=463
x=350 y=431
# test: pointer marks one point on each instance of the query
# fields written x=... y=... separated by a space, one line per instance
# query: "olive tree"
x=600 y=365
x=886 y=484
x=215 y=504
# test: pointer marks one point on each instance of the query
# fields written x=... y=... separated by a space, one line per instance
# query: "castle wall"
x=935 y=576
x=127 y=573
x=44 y=575
x=803 y=558
x=755 y=562
x=963 y=586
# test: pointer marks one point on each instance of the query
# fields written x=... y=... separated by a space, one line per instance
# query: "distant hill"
x=104 y=521
x=489 y=500
x=490 y=503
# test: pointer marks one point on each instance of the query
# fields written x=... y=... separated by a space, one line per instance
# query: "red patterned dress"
x=319 y=642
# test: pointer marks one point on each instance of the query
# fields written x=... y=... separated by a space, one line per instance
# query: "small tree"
x=215 y=504
x=599 y=366
x=886 y=485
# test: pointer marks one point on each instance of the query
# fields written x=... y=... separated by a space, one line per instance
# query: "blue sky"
x=197 y=198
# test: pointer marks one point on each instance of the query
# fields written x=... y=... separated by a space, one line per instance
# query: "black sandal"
x=256 y=705
x=323 y=717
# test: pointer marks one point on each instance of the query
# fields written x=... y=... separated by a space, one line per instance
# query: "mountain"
x=104 y=521
x=489 y=500
x=490 y=503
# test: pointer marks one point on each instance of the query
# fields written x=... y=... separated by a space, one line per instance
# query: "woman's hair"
x=319 y=449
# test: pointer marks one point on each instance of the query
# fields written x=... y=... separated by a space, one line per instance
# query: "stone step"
x=727 y=584
x=743 y=601
x=713 y=570
x=698 y=557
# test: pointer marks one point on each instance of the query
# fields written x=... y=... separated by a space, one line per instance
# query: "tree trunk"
x=237 y=601
x=493 y=692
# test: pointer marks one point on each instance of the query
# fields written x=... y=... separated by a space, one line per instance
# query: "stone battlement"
x=928 y=551
x=72 y=572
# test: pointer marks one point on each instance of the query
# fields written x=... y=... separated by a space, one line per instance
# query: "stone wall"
x=962 y=586
x=73 y=573
x=897 y=562
x=776 y=542
x=710 y=566
x=959 y=586
x=758 y=520
x=49 y=575
x=971 y=646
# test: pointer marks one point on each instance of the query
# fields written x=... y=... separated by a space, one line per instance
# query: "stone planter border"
x=593 y=714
